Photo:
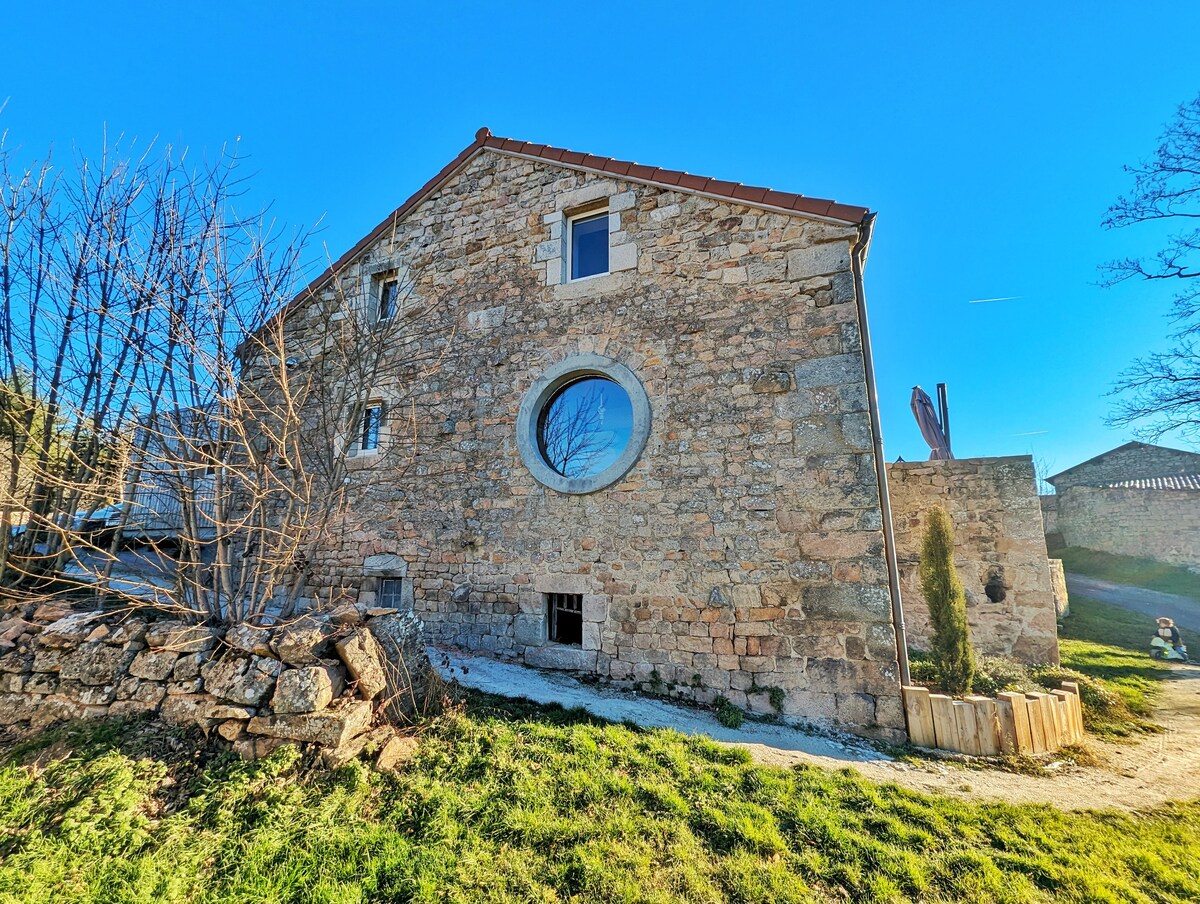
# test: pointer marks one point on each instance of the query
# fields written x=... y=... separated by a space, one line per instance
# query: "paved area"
x=763 y=741
x=1185 y=610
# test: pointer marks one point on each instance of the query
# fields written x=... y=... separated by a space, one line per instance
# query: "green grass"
x=1127 y=570
x=517 y=803
x=1111 y=644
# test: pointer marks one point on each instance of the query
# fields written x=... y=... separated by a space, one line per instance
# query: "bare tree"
x=1161 y=391
x=573 y=433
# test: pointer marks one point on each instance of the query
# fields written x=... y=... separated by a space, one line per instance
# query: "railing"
x=1010 y=724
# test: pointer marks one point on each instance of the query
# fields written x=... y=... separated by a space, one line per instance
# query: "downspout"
x=857 y=259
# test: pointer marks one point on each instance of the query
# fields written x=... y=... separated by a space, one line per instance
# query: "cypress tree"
x=947 y=602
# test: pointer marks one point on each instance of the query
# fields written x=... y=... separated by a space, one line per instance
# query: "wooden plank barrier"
x=1013 y=723
x=919 y=712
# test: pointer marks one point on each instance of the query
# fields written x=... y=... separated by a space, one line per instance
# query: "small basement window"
x=389 y=293
x=589 y=244
x=390 y=593
x=564 y=612
x=368 y=440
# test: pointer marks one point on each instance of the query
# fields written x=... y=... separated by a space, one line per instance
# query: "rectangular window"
x=391 y=593
x=389 y=293
x=589 y=244
x=565 y=614
x=372 y=418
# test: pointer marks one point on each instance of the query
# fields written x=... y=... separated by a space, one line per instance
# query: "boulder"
x=249 y=639
x=188 y=667
x=395 y=752
x=132 y=630
x=96 y=663
x=302 y=690
x=233 y=730
x=51 y=612
x=153 y=665
x=331 y=727
x=346 y=614
x=296 y=644
x=69 y=631
x=407 y=670
x=240 y=680
x=364 y=660
x=180 y=637
x=186 y=709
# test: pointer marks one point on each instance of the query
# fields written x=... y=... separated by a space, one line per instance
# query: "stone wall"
x=319 y=681
x=999 y=545
x=1049 y=502
x=1149 y=524
x=1133 y=461
x=742 y=551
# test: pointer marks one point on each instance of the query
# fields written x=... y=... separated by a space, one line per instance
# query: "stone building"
x=645 y=449
x=1000 y=552
x=1137 y=500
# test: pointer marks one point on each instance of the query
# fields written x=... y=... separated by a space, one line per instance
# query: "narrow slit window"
x=372 y=419
x=389 y=293
x=565 y=614
x=589 y=245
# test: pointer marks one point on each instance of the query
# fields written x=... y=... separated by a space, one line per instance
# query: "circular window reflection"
x=585 y=427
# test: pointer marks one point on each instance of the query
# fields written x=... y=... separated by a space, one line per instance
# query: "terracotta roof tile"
x=485 y=139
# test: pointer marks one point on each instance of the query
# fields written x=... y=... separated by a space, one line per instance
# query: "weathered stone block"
x=847 y=602
x=302 y=690
x=69 y=631
x=153 y=665
x=364 y=660
x=331 y=727
x=96 y=663
x=179 y=637
x=239 y=680
x=819 y=260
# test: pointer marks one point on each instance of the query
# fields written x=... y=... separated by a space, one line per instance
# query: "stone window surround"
x=374 y=274
x=543 y=390
x=588 y=200
x=386 y=566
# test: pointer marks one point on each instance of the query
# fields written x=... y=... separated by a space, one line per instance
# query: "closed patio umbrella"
x=931 y=428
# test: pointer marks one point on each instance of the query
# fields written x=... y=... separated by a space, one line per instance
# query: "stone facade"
x=1132 y=461
x=1130 y=521
x=1000 y=551
x=742 y=551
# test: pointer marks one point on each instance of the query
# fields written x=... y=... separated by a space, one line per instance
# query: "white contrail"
x=1002 y=298
x=1030 y=433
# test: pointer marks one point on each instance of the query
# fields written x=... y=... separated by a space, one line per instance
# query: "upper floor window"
x=389 y=294
x=588 y=239
x=371 y=422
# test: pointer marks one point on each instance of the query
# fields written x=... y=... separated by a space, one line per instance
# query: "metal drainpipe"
x=885 y=504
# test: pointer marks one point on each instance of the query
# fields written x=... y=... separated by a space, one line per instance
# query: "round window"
x=585 y=427
x=583 y=424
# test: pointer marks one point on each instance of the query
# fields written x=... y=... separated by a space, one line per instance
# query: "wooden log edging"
x=1011 y=724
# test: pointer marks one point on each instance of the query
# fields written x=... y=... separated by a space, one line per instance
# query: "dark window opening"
x=388 y=294
x=372 y=418
x=565 y=613
x=589 y=246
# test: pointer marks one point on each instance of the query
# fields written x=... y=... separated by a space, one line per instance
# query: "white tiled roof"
x=1178 y=482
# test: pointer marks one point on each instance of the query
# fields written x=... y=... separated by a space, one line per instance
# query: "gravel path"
x=1130 y=776
x=1184 y=609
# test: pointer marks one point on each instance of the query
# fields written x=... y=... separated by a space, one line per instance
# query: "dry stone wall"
x=1149 y=524
x=742 y=552
x=1000 y=551
x=319 y=681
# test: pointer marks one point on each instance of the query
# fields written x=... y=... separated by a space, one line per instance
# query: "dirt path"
x=1184 y=610
x=1132 y=776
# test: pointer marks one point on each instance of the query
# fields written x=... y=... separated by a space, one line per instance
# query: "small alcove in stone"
x=994 y=587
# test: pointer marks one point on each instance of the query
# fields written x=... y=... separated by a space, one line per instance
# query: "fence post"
x=987 y=725
x=968 y=733
x=1037 y=727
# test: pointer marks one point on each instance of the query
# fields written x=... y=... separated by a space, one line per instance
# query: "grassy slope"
x=511 y=803
x=1126 y=570
x=1111 y=644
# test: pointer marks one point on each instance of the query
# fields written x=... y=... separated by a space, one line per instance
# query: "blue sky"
x=990 y=141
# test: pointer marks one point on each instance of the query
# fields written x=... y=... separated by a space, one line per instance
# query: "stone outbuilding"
x=1138 y=499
